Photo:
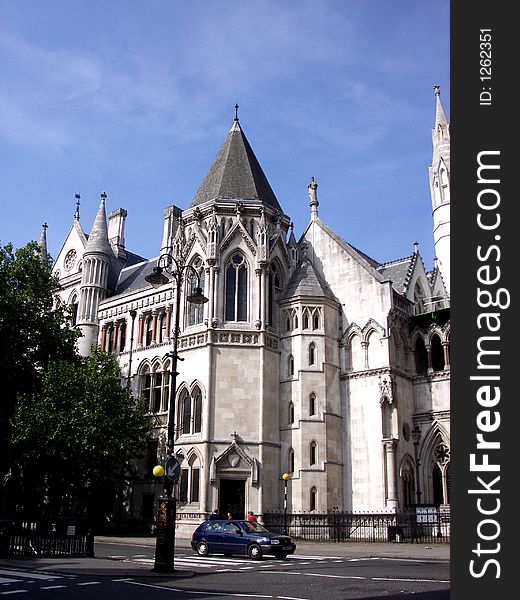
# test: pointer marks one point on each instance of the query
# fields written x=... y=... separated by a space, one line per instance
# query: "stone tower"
x=439 y=172
x=94 y=280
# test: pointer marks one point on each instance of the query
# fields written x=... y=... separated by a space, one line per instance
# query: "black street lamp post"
x=166 y=515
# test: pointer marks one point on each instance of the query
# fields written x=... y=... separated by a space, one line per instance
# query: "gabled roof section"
x=399 y=272
x=368 y=263
x=236 y=174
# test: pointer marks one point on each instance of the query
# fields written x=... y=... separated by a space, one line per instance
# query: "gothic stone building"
x=309 y=358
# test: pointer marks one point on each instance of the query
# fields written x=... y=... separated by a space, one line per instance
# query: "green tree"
x=33 y=331
x=75 y=440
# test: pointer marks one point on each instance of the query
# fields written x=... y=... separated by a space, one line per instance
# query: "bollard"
x=89 y=544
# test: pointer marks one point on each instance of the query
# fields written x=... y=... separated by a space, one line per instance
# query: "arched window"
x=189 y=484
x=291 y=413
x=191 y=411
x=312 y=404
x=122 y=336
x=291 y=460
x=421 y=357
x=313 y=499
x=438 y=496
x=374 y=350
x=166 y=388
x=73 y=310
x=312 y=354
x=196 y=311
x=356 y=355
x=407 y=479
x=316 y=319
x=437 y=353
x=186 y=413
x=305 y=319
x=146 y=382
x=419 y=297
x=441 y=474
x=290 y=365
x=110 y=338
x=387 y=419
x=149 y=330
x=236 y=289
x=313 y=453
x=162 y=328
x=274 y=290
x=156 y=401
x=197 y=410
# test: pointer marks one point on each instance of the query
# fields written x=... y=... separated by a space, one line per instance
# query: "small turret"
x=94 y=280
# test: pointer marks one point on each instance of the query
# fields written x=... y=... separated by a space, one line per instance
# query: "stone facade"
x=309 y=357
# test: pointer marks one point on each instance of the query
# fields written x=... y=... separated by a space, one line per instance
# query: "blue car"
x=240 y=537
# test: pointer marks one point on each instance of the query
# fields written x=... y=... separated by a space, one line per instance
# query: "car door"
x=234 y=540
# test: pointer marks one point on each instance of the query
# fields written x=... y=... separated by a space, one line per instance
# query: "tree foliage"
x=76 y=438
x=33 y=332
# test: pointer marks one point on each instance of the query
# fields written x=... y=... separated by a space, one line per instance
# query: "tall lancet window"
x=274 y=289
x=196 y=311
x=236 y=289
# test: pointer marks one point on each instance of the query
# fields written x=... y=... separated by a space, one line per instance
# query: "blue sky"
x=135 y=98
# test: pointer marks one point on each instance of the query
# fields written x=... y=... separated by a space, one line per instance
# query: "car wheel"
x=255 y=552
x=280 y=555
x=202 y=549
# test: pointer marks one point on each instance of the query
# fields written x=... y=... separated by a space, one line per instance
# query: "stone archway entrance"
x=232 y=498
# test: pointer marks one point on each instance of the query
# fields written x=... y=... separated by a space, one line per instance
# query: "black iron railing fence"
x=60 y=537
x=425 y=524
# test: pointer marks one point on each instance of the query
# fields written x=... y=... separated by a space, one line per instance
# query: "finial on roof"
x=437 y=89
x=313 y=198
x=415 y=247
x=43 y=243
x=103 y=195
x=236 y=112
x=76 y=214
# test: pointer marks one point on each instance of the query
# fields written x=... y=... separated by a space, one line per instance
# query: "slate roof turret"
x=236 y=174
x=306 y=282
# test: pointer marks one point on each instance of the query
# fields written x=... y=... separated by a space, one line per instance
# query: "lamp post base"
x=165 y=540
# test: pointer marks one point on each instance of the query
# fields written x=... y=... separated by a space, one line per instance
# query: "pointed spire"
x=313 y=198
x=43 y=244
x=236 y=174
x=440 y=114
x=98 y=238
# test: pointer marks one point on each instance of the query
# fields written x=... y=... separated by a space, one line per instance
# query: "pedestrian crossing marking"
x=27 y=575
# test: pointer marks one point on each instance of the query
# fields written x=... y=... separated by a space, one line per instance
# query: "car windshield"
x=253 y=527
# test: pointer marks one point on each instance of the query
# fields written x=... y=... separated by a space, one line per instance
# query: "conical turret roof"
x=306 y=282
x=236 y=174
x=440 y=113
x=98 y=238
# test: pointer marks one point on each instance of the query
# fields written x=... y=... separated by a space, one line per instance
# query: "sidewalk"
x=100 y=566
